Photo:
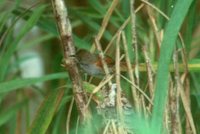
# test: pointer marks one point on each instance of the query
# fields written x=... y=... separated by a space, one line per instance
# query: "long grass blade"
x=167 y=47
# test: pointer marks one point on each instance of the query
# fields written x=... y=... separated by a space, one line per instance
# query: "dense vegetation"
x=160 y=38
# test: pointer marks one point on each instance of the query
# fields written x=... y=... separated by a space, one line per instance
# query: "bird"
x=91 y=63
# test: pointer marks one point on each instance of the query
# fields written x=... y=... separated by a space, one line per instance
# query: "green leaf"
x=191 y=18
x=12 y=47
x=37 y=41
x=46 y=112
x=89 y=88
x=167 y=47
x=20 y=83
x=97 y=6
x=7 y=114
x=92 y=24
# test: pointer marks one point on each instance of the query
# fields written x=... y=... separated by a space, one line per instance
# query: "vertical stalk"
x=65 y=30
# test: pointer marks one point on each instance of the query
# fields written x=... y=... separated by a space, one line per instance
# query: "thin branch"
x=187 y=82
x=155 y=29
x=154 y=7
x=134 y=40
x=117 y=76
x=121 y=29
x=69 y=115
x=77 y=125
x=101 y=55
x=106 y=127
x=96 y=89
x=165 y=16
x=192 y=67
x=186 y=106
x=105 y=21
x=185 y=65
x=140 y=90
x=186 y=95
x=174 y=100
x=130 y=72
x=149 y=72
x=65 y=29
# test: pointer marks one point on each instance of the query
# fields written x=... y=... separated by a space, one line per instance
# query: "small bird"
x=91 y=63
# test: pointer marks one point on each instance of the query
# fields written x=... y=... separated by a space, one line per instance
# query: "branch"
x=65 y=30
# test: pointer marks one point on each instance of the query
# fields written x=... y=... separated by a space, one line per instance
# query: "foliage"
x=37 y=97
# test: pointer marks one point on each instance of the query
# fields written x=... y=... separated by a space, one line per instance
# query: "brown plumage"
x=91 y=63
